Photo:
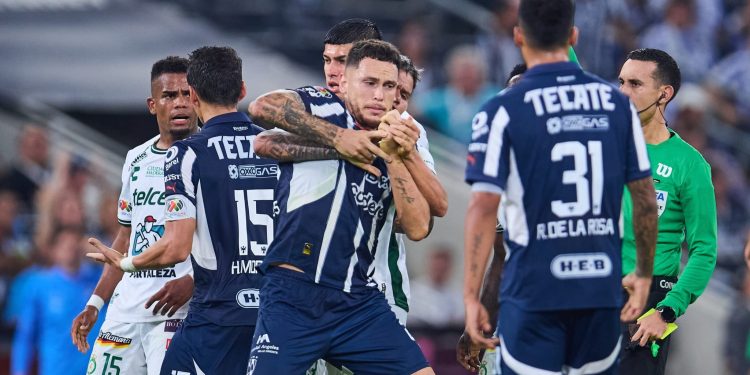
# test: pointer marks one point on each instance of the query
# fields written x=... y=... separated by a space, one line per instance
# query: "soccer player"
x=560 y=146
x=390 y=260
x=317 y=299
x=133 y=338
x=686 y=208
x=219 y=203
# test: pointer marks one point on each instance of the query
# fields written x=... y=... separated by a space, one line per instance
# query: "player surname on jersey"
x=245 y=266
x=575 y=228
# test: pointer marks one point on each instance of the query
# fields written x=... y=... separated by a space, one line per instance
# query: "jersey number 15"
x=258 y=219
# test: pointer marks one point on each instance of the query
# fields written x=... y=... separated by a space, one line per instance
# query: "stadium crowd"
x=49 y=203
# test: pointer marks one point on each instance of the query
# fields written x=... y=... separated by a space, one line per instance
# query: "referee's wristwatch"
x=667 y=314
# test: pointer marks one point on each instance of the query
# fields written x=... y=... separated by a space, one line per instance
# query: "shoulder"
x=139 y=152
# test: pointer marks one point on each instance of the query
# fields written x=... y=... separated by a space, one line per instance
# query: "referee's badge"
x=661 y=201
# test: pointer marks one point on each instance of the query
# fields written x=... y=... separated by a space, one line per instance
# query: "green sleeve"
x=699 y=209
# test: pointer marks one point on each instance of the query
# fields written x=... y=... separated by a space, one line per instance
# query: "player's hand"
x=467 y=353
x=747 y=254
x=105 y=254
x=79 y=330
x=369 y=168
x=359 y=145
x=649 y=328
x=637 y=288
x=173 y=295
x=478 y=322
x=405 y=134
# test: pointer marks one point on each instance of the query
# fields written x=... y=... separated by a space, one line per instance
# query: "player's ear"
x=518 y=36
x=243 y=91
x=342 y=84
x=573 y=39
x=151 y=104
x=193 y=96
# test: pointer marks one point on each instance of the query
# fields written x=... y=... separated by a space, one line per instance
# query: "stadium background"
x=78 y=70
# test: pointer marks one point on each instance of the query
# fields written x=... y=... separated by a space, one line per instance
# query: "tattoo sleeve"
x=284 y=109
x=644 y=224
x=288 y=147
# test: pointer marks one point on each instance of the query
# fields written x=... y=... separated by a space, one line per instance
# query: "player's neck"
x=535 y=57
x=207 y=112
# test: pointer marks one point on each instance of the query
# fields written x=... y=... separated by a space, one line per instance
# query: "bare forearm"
x=111 y=276
x=428 y=185
x=644 y=224
x=491 y=288
x=285 y=110
x=160 y=255
x=288 y=147
x=479 y=233
x=411 y=206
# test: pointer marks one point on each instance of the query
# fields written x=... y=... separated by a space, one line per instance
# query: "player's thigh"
x=593 y=341
x=371 y=341
x=118 y=349
x=530 y=342
x=156 y=341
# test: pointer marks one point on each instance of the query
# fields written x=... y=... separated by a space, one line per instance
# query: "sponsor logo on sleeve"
x=171 y=154
x=125 y=206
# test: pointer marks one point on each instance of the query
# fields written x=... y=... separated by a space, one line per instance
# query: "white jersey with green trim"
x=141 y=207
x=390 y=257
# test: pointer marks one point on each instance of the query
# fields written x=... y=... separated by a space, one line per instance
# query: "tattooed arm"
x=644 y=224
x=288 y=147
x=467 y=353
x=284 y=109
x=411 y=206
x=479 y=234
x=644 y=227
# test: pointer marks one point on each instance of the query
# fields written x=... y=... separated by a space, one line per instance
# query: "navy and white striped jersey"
x=215 y=177
x=560 y=147
x=330 y=211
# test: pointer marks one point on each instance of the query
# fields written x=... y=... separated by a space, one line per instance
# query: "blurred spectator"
x=735 y=30
x=414 y=43
x=435 y=302
x=605 y=35
x=51 y=301
x=451 y=108
x=732 y=219
x=31 y=169
x=691 y=45
x=498 y=48
x=729 y=85
x=737 y=333
x=60 y=202
x=106 y=226
x=13 y=257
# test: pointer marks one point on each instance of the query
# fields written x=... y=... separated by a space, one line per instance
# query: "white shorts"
x=132 y=348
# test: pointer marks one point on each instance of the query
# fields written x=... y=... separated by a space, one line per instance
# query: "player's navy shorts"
x=206 y=348
x=300 y=322
x=548 y=342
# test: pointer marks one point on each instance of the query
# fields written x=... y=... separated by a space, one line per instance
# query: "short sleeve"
x=181 y=177
x=489 y=150
x=124 y=204
x=637 y=165
x=423 y=145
